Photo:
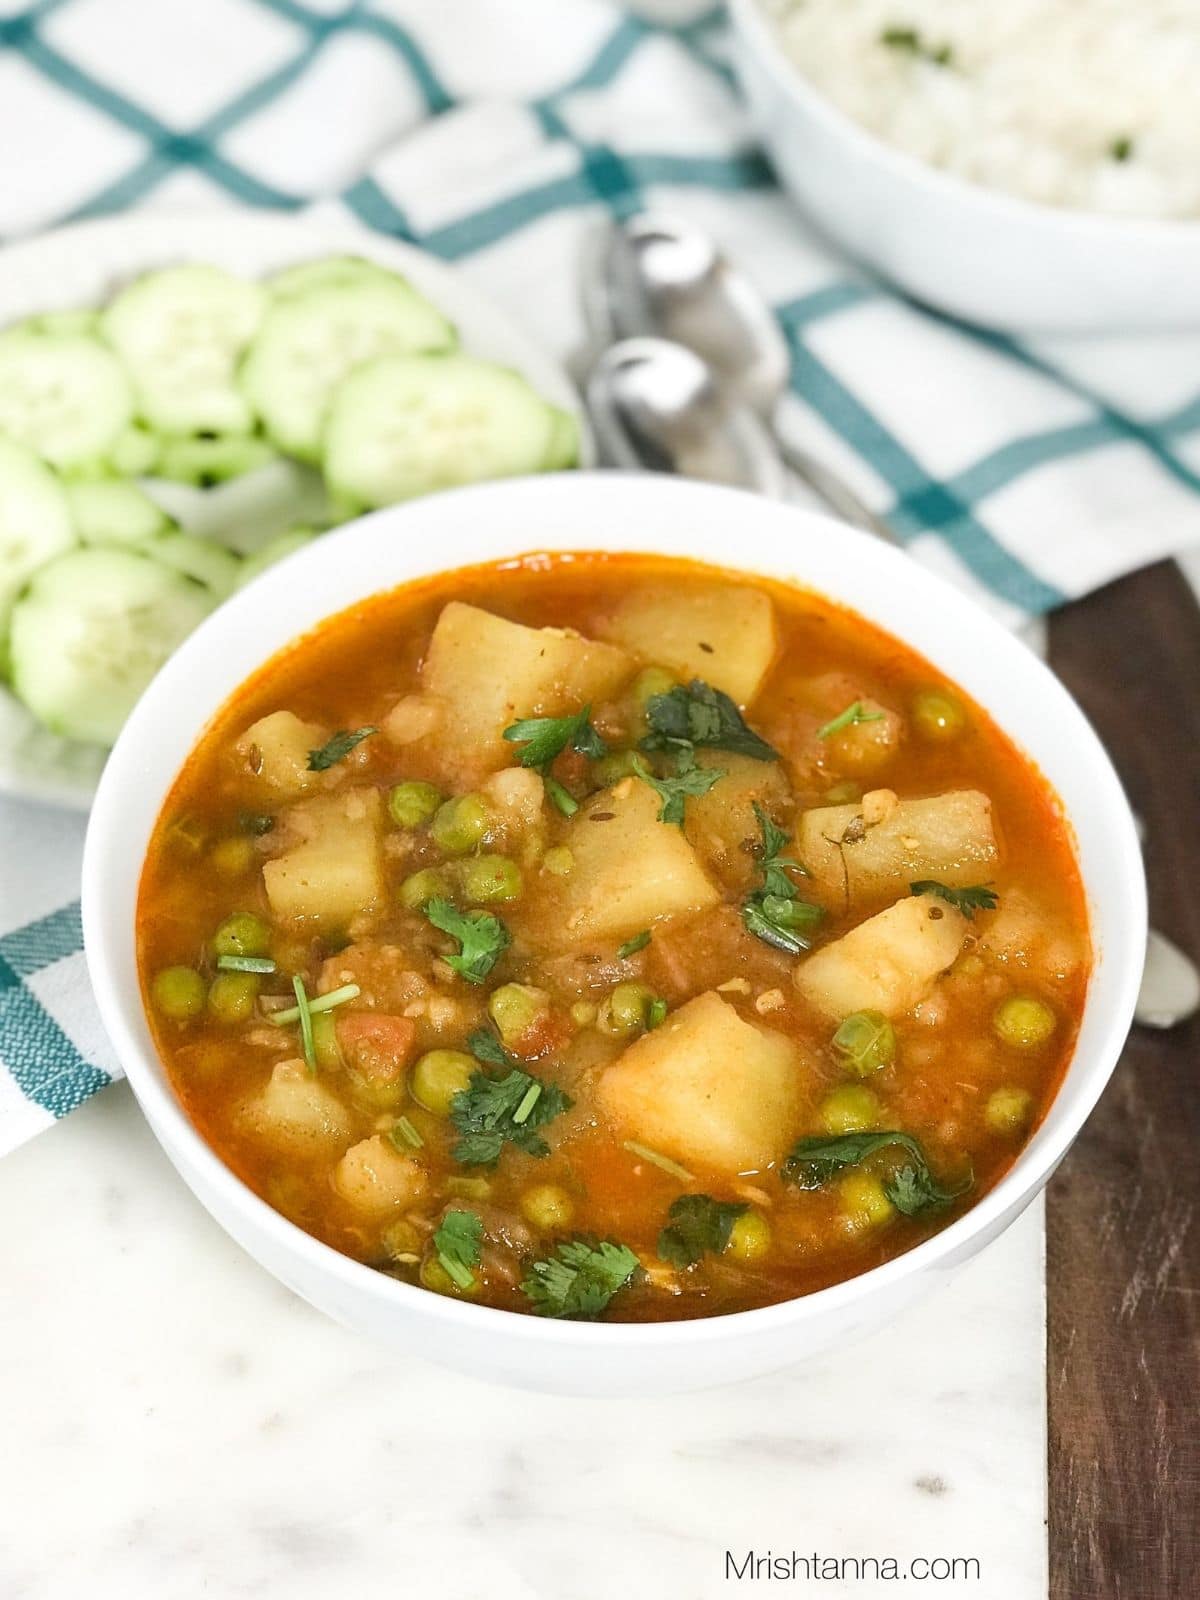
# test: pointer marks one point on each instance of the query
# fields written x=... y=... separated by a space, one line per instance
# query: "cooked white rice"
x=1093 y=104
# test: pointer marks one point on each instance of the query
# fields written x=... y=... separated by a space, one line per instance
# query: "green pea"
x=863 y=1200
x=850 y=1108
x=548 y=1207
x=431 y=883
x=434 y=1276
x=626 y=1010
x=232 y=857
x=487 y=878
x=464 y=1187
x=178 y=993
x=325 y=1040
x=750 y=1237
x=515 y=1008
x=459 y=825
x=650 y=682
x=231 y=996
x=938 y=715
x=1024 y=1022
x=400 y=1240
x=242 y=934
x=558 y=861
x=866 y=1042
x=1008 y=1109
x=411 y=805
x=610 y=769
x=438 y=1076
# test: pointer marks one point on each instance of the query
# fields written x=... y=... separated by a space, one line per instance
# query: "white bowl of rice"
x=1030 y=166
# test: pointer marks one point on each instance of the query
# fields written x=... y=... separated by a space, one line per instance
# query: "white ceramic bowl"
x=606 y=511
x=975 y=252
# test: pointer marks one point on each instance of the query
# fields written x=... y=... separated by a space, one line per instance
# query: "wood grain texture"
x=1123 y=1241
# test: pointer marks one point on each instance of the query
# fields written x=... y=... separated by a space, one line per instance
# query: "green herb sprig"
x=674 y=788
x=696 y=1224
x=700 y=715
x=579 y=1279
x=854 y=713
x=492 y=1112
x=458 y=1242
x=544 y=740
x=775 y=913
x=337 y=748
x=911 y=1188
x=482 y=938
x=978 y=897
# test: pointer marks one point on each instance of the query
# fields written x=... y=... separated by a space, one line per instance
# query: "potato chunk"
x=948 y=837
x=330 y=867
x=1026 y=932
x=721 y=825
x=276 y=749
x=720 y=632
x=375 y=1178
x=296 y=1113
x=487 y=672
x=888 y=963
x=628 y=869
x=708 y=1089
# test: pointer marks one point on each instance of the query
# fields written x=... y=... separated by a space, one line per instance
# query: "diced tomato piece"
x=376 y=1046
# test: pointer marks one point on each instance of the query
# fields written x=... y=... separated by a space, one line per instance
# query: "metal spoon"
x=656 y=407
x=660 y=276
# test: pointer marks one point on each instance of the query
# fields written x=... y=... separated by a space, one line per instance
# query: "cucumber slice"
x=111 y=511
x=134 y=452
x=274 y=550
x=327 y=271
x=308 y=342
x=204 y=560
x=180 y=333
x=406 y=425
x=64 y=395
x=205 y=462
x=35 y=519
x=81 y=319
x=89 y=633
x=564 y=443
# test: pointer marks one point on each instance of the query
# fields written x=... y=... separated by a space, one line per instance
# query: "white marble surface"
x=177 y=1425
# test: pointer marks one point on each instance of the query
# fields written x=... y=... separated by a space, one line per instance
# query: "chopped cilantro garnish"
x=579 y=1279
x=702 y=715
x=854 y=713
x=491 y=1112
x=482 y=937
x=545 y=738
x=911 y=1187
x=656 y=1014
x=337 y=748
x=255 y=822
x=485 y=1047
x=672 y=790
x=775 y=913
x=696 y=1223
x=560 y=796
x=978 y=897
x=632 y=946
x=245 y=964
x=304 y=1016
x=403 y=1131
x=457 y=1241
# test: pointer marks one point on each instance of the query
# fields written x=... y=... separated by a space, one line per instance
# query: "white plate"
x=86 y=264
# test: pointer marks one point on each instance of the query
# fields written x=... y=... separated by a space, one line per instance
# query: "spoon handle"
x=836 y=494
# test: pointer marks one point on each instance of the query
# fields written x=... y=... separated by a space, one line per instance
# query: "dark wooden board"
x=1123 y=1244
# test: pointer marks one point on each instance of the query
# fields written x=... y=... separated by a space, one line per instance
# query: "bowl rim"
x=1090 y=227
x=122 y=1013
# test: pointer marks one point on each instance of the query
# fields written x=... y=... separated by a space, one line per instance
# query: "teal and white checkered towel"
x=496 y=133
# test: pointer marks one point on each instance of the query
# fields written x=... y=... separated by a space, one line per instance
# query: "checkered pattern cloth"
x=495 y=133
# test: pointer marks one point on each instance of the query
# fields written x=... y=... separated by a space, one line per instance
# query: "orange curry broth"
x=351 y=670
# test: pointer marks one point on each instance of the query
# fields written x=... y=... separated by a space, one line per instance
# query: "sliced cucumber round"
x=406 y=425
x=205 y=462
x=113 y=511
x=274 y=550
x=35 y=519
x=309 y=341
x=325 y=272
x=134 y=452
x=90 y=632
x=204 y=560
x=64 y=395
x=181 y=333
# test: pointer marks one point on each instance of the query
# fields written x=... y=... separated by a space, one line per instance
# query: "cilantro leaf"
x=545 y=738
x=976 y=898
x=696 y=1223
x=482 y=937
x=911 y=1188
x=458 y=1242
x=702 y=715
x=775 y=914
x=579 y=1279
x=485 y=1047
x=672 y=790
x=337 y=748
x=492 y=1112
x=854 y=713
x=632 y=946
